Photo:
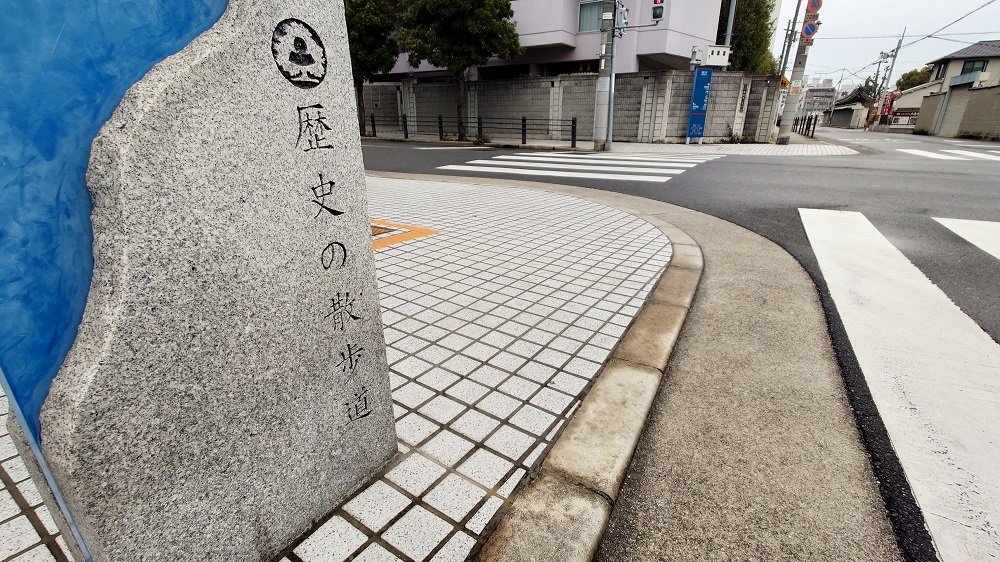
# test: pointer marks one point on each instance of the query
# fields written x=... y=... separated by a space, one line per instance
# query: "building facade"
x=563 y=37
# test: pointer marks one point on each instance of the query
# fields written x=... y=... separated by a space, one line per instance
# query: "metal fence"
x=482 y=130
x=805 y=125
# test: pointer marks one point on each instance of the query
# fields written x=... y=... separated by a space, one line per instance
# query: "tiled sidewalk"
x=27 y=531
x=495 y=327
x=497 y=320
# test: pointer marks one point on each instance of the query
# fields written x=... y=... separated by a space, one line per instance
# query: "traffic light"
x=658 y=8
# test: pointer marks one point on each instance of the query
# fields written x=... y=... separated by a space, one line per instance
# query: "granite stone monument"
x=228 y=385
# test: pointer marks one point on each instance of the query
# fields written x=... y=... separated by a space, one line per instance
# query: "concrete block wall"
x=628 y=105
x=982 y=114
x=502 y=104
x=578 y=93
x=382 y=100
x=928 y=114
x=433 y=99
x=649 y=106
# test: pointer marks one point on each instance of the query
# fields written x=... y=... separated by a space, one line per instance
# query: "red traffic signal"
x=658 y=8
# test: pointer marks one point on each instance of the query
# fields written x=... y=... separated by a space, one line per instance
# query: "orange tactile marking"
x=386 y=233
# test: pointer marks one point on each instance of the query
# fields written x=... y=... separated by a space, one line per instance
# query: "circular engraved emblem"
x=299 y=53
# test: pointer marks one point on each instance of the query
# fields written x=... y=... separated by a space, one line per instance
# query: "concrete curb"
x=562 y=511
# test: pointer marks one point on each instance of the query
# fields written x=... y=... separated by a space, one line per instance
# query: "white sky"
x=866 y=18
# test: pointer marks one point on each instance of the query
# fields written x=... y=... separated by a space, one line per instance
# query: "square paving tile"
x=415 y=474
x=417 y=533
x=377 y=505
x=455 y=497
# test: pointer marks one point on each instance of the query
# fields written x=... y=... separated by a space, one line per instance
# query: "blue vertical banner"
x=699 y=102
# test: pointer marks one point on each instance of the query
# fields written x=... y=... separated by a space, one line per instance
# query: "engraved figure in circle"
x=299 y=53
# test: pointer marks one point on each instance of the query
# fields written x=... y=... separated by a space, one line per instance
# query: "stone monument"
x=228 y=385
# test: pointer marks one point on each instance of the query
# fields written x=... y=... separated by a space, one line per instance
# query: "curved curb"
x=562 y=510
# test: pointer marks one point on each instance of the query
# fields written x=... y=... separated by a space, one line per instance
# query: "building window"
x=973 y=66
x=590 y=15
x=941 y=69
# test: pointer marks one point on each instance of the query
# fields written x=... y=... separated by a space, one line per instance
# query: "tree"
x=457 y=34
x=752 y=33
x=914 y=78
x=370 y=24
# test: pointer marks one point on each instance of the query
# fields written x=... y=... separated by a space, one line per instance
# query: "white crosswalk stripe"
x=972 y=154
x=983 y=234
x=952 y=154
x=927 y=154
x=651 y=168
x=933 y=372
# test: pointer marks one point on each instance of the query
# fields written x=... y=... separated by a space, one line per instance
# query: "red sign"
x=813 y=6
x=809 y=29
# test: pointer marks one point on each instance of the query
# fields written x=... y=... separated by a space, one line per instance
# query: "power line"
x=935 y=35
x=928 y=36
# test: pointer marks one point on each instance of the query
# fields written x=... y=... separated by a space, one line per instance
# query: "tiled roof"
x=983 y=49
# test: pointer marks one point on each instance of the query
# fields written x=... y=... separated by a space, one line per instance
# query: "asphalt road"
x=898 y=192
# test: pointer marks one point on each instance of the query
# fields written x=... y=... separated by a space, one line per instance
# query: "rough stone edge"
x=532 y=510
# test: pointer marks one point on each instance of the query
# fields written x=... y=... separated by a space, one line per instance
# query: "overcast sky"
x=861 y=19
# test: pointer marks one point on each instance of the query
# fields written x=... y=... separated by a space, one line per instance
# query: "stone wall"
x=649 y=106
x=982 y=115
x=928 y=114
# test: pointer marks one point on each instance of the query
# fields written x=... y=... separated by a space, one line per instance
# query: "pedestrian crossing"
x=954 y=154
x=933 y=372
x=639 y=167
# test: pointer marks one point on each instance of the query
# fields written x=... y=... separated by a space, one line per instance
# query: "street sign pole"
x=809 y=30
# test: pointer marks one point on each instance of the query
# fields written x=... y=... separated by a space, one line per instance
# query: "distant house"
x=959 y=96
x=851 y=111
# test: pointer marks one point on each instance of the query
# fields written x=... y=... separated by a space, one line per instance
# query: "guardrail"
x=485 y=127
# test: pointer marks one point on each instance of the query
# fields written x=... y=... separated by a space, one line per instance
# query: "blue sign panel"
x=699 y=102
x=63 y=72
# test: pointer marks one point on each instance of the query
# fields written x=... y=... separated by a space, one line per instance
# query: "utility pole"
x=895 y=55
x=605 y=76
x=732 y=20
x=790 y=38
x=798 y=70
x=613 y=21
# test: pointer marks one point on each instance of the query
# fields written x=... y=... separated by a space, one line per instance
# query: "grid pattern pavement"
x=495 y=329
x=27 y=530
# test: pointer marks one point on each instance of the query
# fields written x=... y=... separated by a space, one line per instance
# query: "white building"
x=563 y=36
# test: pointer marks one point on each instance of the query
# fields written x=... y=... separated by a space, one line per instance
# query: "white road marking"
x=996 y=151
x=934 y=375
x=580 y=167
x=927 y=154
x=971 y=154
x=982 y=234
x=984 y=146
x=624 y=156
x=453 y=147
x=516 y=171
x=633 y=163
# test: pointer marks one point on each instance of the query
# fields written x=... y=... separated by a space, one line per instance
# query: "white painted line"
x=926 y=154
x=585 y=175
x=971 y=154
x=983 y=146
x=644 y=156
x=453 y=147
x=934 y=375
x=983 y=234
x=996 y=151
x=547 y=166
x=632 y=163
x=664 y=158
